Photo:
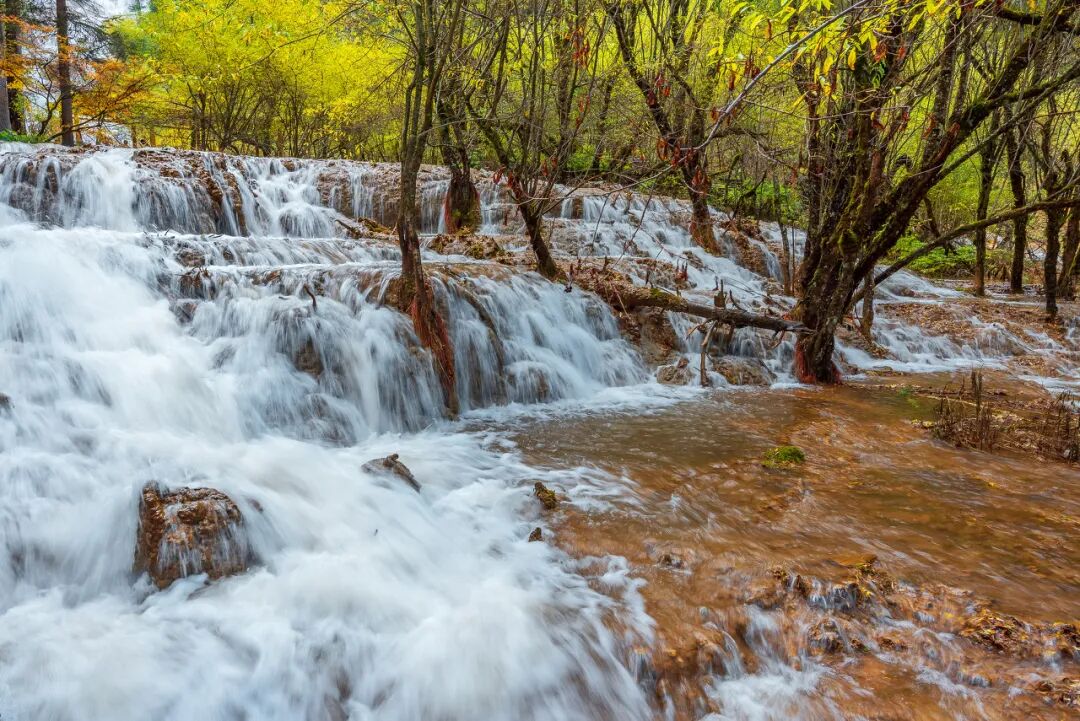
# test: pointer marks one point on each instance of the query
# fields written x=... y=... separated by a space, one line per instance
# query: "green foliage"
x=782 y=456
x=765 y=200
x=10 y=136
x=939 y=263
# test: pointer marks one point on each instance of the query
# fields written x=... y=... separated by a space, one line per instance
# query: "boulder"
x=392 y=466
x=740 y=371
x=548 y=498
x=657 y=340
x=187 y=531
x=676 y=374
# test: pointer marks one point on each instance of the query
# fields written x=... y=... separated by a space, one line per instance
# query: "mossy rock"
x=784 y=456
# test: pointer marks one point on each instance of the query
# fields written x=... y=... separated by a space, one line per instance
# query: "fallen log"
x=621 y=294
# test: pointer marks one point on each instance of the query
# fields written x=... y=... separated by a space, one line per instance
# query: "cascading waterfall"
x=130 y=353
x=194 y=319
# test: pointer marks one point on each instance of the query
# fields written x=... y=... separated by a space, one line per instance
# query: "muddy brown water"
x=704 y=523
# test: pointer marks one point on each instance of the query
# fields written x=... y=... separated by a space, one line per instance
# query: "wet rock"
x=995 y=631
x=1064 y=691
x=1066 y=640
x=392 y=466
x=536 y=535
x=188 y=531
x=197 y=283
x=184 y=310
x=677 y=374
x=825 y=638
x=190 y=258
x=657 y=340
x=308 y=360
x=478 y=247
x=739 y=371
x=548 y=497
x=889 y=643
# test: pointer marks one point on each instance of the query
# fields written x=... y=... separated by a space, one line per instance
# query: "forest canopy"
x=878 y=126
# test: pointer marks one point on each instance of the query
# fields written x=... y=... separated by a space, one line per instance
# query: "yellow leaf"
x=851 y=58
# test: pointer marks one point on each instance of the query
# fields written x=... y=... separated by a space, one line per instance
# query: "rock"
x=536 y=535
x=1065 y=691
x=677 y=374
x=1066 y=640
x=5 y=402
x=657 y=340
x=307 y=360
x=548 y=497
x=740 y=371
x=995 y=631
x=188 y=531
x=391 y=465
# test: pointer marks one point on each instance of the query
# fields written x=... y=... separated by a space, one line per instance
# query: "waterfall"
x=201 y=320
x=156 y=325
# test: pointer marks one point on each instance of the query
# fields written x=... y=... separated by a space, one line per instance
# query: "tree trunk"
x=826 y=285
x=5 y=111
x=1066 y=283
x=461 y=207
x=623 y=295
x=534 y=227
x=986 y=185
x=13 y=9
x=1054 y=218
x=63 y=52
x=415 y=295
x=866 y=321
x=701 y=222
x=1020 y=223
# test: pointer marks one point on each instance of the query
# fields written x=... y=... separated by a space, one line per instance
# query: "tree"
x=433 y=29
x=656 y=42
x=891 y=112
x=531 y=109
x=63 y=62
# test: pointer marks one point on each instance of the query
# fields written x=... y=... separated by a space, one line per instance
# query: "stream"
x=196 y=320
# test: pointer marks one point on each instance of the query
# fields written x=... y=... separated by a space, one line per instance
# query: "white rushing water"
x=156 y=325
x=366 y=600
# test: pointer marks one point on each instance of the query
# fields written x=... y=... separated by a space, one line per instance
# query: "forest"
x=874 y=126
x=544 y=360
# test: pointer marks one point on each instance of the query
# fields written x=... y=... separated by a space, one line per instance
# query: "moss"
x=783 y=456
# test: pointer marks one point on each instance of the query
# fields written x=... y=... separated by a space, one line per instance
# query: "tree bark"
x=63 y=54
x=1054 y=218
x=10 y=39
x=534 y=228
x=1020 y=223
x=1066 y=283
x=987 y=157
x=5 y=110
x=461 y=207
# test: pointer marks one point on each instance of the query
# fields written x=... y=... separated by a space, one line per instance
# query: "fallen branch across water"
x=621 y=294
